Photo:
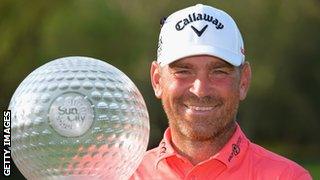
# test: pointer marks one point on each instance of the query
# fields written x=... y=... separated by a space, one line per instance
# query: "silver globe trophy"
x=78 y=118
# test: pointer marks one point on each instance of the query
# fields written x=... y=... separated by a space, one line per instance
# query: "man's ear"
x=245 y=80
x=155 y=79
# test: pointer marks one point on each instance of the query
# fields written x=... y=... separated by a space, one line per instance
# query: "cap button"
x=199 y=5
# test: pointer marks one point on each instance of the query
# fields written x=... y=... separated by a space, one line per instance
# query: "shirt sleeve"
x=303 y=176
x=295 y=172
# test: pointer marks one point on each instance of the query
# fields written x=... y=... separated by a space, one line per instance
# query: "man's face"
x=200 y=94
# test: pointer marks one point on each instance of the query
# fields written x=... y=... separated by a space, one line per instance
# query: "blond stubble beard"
x=204 y=129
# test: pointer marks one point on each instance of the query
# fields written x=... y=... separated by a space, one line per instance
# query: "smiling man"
x=201 y=76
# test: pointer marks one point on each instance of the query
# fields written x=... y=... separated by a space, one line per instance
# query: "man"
x=201 y=76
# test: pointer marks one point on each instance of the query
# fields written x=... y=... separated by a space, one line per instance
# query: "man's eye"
x=182 y=73
x=219 y=71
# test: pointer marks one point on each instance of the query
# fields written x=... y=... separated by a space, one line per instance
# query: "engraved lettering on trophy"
x=71 y=114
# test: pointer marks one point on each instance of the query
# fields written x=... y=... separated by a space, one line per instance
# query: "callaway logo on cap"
x=200 y=30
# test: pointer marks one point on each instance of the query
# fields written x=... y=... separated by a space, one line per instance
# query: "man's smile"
x=199 y=109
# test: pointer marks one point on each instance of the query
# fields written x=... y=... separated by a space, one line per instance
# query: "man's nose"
x=200 y=87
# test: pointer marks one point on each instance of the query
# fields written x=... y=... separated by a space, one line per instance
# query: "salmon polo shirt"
x=239 y=159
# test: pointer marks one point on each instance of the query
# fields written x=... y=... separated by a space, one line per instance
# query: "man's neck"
x=197 y=151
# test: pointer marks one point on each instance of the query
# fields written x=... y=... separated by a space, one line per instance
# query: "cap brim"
x=195 y=50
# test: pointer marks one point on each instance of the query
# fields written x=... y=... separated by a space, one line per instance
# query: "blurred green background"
x=282 y=40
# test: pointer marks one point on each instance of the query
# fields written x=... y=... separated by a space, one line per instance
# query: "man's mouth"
x=201 y=108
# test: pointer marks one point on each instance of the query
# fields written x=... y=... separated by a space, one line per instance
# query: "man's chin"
x=201 y=117
x=203 y=129
x=198 y=134
x=196 y=129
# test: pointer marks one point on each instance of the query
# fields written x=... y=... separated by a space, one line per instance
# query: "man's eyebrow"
x=219 y=65
x=180 y=65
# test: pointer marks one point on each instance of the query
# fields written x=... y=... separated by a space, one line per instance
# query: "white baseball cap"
x=200 y=30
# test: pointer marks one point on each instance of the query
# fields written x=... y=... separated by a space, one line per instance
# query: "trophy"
x=78 y=118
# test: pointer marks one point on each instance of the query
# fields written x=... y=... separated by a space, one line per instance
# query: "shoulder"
x=154 y=167
x=267 y=162
x=147 y=165
x=150 y=157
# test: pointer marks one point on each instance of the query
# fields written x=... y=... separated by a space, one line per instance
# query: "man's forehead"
x=204 y=60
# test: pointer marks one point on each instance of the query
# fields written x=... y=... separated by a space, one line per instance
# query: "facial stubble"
x=202 y=128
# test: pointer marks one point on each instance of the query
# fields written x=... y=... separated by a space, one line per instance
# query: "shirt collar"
x=230 y=154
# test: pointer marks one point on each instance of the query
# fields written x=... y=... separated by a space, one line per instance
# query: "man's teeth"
x=200 y=108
